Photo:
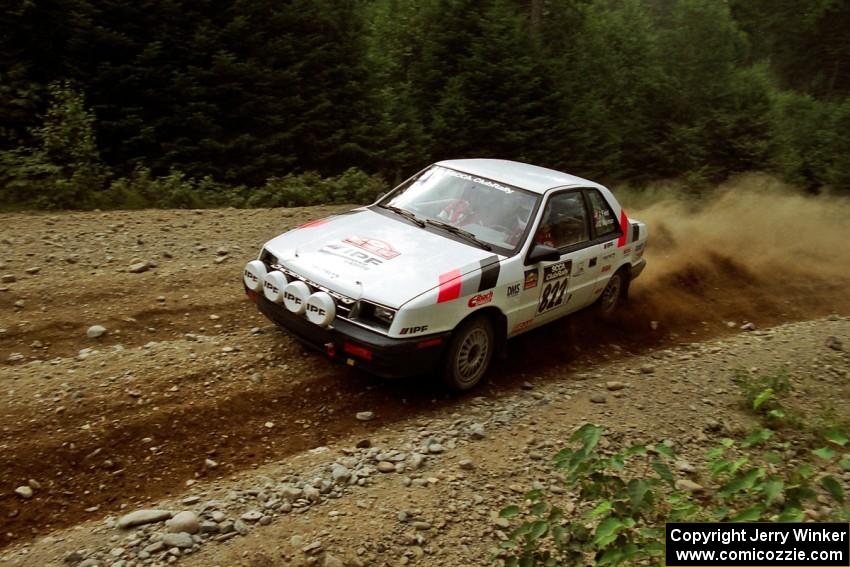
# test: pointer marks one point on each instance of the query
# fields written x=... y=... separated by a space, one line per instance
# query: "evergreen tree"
x=65 y=162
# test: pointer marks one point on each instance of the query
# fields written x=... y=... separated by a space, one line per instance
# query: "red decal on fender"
x=480 y=299
x=624 y=228
x=449 y=286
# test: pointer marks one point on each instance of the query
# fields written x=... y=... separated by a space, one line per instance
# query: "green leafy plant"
x=621 y=517
x=762 y=393
x=625 y=498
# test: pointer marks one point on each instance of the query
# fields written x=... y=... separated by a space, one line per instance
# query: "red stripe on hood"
x=624 y=228
x=449 y=286
x=312 y=223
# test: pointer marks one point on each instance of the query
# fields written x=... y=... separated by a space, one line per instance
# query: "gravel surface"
x=161 y=393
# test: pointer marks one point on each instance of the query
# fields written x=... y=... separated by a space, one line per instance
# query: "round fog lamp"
x=253 y=275
x=273 y=285
x=295 y=296
x=321 y=309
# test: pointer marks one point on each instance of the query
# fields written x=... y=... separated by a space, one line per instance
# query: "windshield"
x=493 y=212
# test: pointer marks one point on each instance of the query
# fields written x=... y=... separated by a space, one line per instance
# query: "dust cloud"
x=753 y=248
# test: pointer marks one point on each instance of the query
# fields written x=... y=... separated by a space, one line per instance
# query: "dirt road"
x=188 y=372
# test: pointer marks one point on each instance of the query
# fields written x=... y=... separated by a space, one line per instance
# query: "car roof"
x=523 y=175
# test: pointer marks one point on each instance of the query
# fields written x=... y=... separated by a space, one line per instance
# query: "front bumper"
x=348 y=343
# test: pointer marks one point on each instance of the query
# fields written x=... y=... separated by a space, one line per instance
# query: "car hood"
x=367 y=255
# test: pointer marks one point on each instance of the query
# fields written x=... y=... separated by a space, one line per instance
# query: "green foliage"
x=624 y=512
x=625 y=498
x=811 y=143
x=806 y=41
x=352 y=186
x=63 y=169
x=762 y=393
x=222 y=103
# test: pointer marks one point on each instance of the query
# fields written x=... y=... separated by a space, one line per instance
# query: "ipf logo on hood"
x=373 y=245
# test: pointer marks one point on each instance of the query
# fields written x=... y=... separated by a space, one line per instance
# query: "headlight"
x=373 y=314
x=384 y=314
x=268 y=258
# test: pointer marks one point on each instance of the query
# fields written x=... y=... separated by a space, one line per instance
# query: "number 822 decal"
x=554 y=289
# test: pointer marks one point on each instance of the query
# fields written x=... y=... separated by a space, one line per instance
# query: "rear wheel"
x=469 y=354
x=612 y=294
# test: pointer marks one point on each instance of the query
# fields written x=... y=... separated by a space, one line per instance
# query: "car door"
x=554 y=288
x=605 y=230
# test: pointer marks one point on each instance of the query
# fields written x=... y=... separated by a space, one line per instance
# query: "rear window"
x=603 y=219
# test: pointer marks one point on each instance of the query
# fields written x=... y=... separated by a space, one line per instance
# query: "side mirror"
x=542 y=253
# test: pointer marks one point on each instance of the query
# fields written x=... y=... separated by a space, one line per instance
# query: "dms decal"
x=352 y=256
x=606 y=269
x=609 y=256
x=530 y=279
x=608 y=245
x=627 y=251
x=413 y=330
x=555 y=281
x=480 y=299
x=513 y=289
x=373 y=245
x=522 y=325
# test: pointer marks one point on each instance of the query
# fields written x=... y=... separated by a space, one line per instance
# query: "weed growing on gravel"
x=762 y=392
x=624 y=499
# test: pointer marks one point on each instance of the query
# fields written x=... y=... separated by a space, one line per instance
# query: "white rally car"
x=440 y=271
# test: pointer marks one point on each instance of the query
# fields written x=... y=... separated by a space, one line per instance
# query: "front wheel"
x=469 y=354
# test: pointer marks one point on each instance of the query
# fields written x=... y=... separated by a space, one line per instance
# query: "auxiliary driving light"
x=253 y=275
x=273 y=285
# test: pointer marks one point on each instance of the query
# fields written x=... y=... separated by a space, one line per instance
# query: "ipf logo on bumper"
x=413 y=330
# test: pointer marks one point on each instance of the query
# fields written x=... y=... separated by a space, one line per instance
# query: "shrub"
x=624 y=499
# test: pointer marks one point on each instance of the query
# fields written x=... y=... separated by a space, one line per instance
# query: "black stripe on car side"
x=489 y=273
x=635 y=232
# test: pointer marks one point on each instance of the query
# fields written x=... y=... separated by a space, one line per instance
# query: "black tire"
x=469 y=354
x=613 y=294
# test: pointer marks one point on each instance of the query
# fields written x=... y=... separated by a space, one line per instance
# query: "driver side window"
x=564 y=221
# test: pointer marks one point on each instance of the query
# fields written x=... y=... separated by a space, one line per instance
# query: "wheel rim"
x=611 y=294
x=472 y=356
